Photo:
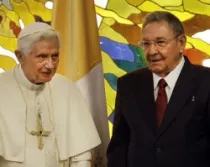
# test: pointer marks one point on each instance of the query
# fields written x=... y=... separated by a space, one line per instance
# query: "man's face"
x=162 y=47
x=40 y=64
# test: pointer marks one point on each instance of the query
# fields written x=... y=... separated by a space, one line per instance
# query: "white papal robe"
x=64 y=113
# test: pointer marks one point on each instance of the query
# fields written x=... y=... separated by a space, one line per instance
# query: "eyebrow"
x=42 y=53
x=157 y=38
x=55 y=54
x=160 y=37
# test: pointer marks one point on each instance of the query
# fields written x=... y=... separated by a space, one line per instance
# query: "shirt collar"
x=22 y=80
x=172 y=77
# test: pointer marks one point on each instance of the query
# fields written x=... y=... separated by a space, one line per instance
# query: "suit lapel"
x=181 y=93
x=145 y=97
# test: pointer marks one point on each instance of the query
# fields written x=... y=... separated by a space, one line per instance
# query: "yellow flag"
x=80 y=60
x=75 y=20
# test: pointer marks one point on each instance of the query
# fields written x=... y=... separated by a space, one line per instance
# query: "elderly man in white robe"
x=44 y=120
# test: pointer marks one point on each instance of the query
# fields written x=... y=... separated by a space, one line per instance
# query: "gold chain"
x=26 y=121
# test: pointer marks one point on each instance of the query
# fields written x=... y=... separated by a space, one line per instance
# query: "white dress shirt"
x=170 y=79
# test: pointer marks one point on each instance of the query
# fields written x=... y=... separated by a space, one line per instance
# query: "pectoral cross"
x=40 y=132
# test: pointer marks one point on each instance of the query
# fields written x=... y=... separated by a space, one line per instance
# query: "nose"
x=152 y=49
x=49 y=64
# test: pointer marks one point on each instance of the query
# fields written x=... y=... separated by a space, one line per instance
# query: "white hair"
x=25 y=44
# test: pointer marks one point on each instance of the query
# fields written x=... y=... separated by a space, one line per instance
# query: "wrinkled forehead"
x=156 y=30
x=45 y=46
x=34 y=28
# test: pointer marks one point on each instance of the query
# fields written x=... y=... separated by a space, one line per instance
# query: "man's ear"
x=182 y=41
x=19 y=56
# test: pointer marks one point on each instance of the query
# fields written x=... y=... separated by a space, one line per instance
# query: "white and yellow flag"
x=80 y=60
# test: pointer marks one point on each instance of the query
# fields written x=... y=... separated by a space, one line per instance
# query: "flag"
x=81 y=61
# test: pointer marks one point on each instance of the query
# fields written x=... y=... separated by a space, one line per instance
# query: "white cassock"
x=64 y=114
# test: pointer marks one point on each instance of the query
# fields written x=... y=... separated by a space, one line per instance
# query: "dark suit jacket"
x=183 y=140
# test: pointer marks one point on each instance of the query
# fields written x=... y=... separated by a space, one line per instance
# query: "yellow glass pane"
x=38 y=8
x=122 y=8
x=7 y=63
x=23 y=11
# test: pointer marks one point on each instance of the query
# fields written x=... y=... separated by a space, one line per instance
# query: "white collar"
x=22 y=80
x=172 y=77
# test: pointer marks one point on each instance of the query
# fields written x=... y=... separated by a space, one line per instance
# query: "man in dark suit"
x=162 y=112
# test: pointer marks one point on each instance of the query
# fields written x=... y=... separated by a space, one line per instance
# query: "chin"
x=161 y=73
x=46 y=80
x=157 y=71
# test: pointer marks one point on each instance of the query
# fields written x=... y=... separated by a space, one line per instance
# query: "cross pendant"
x=39 y=132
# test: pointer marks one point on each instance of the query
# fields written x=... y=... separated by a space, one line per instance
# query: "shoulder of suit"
x=137 y=73
x=202 y=69
x=201 y=74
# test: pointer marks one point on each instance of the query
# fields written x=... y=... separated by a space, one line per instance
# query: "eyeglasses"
x=160 y=43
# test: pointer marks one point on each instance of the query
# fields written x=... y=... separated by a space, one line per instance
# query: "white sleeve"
x=81 y=160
